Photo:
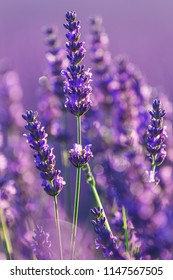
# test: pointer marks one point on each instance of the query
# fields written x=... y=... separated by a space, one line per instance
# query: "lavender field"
x=86 y=129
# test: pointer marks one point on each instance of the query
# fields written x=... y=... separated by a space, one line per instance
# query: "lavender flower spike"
x=41 y=245
x=78 y=156
x=156 y=136
x=44 y=157
x=77 y=85
x=105 y=241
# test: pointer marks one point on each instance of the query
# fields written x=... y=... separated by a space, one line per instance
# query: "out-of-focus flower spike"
x=56 y=58
x=41 y=244
x=102 y=62
x=105 y=241
x=156 y=136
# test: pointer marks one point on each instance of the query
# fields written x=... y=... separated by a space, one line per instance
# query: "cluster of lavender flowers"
x=44 y=157
x=77 y=86
x=122 y=195
x=156 y=137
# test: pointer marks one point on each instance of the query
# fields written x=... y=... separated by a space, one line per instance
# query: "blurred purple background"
x=142 y=29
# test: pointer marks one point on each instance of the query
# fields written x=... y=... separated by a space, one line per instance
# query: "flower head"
x=156 y=135
x=79 y=156
x=105 y=241
x=55 y=56
x=41 y=244
x=103 y=65
x=77 y=85
x=44 y=156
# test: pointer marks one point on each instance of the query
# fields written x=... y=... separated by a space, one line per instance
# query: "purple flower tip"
x=77 y=86
x=79 y=156
x=156 y=135
x=30 y=116
x=70 y=16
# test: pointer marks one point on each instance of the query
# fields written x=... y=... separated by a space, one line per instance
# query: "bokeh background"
x=142 y=29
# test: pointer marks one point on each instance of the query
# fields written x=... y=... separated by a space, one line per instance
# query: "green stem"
x=6 y=236
x=65 y=171
x=125 y=228
x=92 y=183
x=58 y=226
x=153 y=169
x=79 y=136
x=77 y=194
x=154 y=163
x=75 y=212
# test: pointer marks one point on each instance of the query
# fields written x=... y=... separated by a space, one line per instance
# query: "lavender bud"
x=156 y=135
x=53 y=187
x=41 y=245
x=55 y=56
x=44 y=157
x=77 y=86
x=78 y=156
x=105 y=241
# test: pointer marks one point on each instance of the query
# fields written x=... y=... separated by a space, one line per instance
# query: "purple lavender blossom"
x=56 y=59
x=44 y=157
x=77 y=86
x=156 y=136
x=52 y=112
x=8 y=200
x=79 y=156
x=102 y=61
x=105 y=241
x=51 y=99
x=41 y=245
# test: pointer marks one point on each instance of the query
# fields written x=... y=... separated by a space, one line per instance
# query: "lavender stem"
x=79 y=138
x=58 y=226
x=75 y=213
x=92 y=183
x=6 y=236
x=77 y=193
x=65 y=168
x=125 y=228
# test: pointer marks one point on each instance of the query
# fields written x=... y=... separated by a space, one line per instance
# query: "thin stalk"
x=75 y=212
x=79 y=136
x=153 y=169
x=98 y=201
x=65 y=169
x=58 y=226
x=6 y=236
x=77 y=194
x=154 y=164
x=125 y=229
x=91 y=181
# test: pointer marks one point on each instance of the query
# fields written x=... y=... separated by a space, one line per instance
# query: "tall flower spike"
x=105 y=241
x=41 y=244
x=103 y=65
x=56 y=59
x=77 y=85
x=156 y=137
x=44 y=157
